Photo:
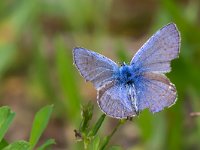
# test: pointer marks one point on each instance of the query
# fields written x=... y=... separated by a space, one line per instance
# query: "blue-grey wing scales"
x=156 y=54
x=155 y=91
x=94 y=67
x=126 y=90
x=153 y=88
x=116 y=100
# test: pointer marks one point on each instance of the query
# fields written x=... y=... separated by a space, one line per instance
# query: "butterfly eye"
x=123 y=64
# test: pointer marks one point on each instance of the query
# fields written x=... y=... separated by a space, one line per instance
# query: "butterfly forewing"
x=156 y=54
x=94 y=67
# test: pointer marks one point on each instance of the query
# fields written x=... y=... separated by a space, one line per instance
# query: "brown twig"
x=194 y=114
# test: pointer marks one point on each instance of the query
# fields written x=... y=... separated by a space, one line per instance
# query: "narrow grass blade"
x=96 y=143
x=7 y=53
x=47 y=144
x=96 y=127
x=6 y=117
x=42 y=73
x=68 y=82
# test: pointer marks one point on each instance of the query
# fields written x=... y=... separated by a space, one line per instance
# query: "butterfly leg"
x=129 y=118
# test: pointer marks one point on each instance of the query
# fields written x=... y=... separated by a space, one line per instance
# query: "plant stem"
x=107 y=139
x=116 y=127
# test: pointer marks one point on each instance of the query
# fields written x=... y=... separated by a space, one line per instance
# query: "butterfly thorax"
x=125 y=74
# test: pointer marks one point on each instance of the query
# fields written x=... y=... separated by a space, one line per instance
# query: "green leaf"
x=48 y=143
x=6 y=117
x=39 y=124
x=18 y=145
x=3 y=143
x=96 y=127
x=96 y=142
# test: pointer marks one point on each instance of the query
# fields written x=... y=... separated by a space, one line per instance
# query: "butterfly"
x=123 y=91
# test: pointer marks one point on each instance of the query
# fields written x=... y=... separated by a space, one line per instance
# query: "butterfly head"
x=123 y=64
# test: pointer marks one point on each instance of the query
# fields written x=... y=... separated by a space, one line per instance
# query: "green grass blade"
x=7 y=53
x=98 y=124
x=48 y=143
x=42 y=73
x=96 y=143
x=65 y=68
x=6 y=117
x=104 y=142
x=19 y=145
x=39 y=124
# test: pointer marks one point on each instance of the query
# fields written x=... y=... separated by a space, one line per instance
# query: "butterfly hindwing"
x=156 y=54
x=115 y=101
x=94 y=67
x=155 y=91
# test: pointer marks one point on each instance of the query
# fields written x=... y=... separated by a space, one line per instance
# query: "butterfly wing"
x=114 y=100
x=156 y=54
x=154 y=91
x=94 y=67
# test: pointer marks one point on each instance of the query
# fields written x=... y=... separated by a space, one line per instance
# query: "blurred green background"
x=36 y=68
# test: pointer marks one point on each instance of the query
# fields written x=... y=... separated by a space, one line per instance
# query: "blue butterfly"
x=123 y=91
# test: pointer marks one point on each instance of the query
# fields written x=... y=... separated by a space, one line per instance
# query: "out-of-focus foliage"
x=19 y=145
x=39 y=124
x=36 y=42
